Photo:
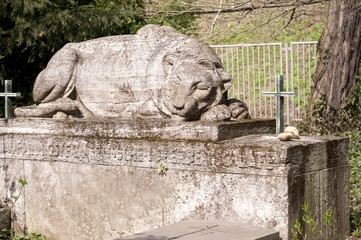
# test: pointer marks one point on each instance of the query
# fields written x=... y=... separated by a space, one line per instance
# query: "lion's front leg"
x=216 y=114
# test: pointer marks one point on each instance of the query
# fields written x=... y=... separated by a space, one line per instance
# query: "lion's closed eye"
x=206 y=64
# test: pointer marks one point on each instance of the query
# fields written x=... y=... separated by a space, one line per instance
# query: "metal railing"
x=254 y=68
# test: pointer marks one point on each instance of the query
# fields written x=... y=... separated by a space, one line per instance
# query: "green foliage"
x=22 y=181
x=33 y=30
x=355 y=223
x=162 y=169
x=355 y=179
x=11 y=235
x=349 y=118
x=328 y=221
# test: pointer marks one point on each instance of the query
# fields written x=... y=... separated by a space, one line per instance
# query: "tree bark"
x=339 y=51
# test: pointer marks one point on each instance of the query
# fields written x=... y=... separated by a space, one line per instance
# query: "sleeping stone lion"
x=157 y=73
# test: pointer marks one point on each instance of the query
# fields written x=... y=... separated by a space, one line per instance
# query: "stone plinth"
x=88 y=181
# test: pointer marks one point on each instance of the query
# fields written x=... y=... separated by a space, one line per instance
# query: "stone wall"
x=94 y=180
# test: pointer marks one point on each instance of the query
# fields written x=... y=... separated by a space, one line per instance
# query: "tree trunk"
x=339 y=51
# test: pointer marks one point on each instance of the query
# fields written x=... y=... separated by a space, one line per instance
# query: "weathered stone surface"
x=155 y=74
x=166 y=129
x=88 y=186
x=207 y=230
x=285 y=136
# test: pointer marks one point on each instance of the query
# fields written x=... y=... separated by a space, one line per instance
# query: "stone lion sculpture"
x=155 y=74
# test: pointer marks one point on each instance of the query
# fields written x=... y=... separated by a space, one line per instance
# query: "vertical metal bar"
x=233 y=87
x=270 y=79
x=309 y=68
x=275 y=64
x=298 y=82
x=304 y=73
x=227 y=59
x=248 y=83
x=259 y=82
x=292 y=84
x=227 y=67
x=264 y=79
x=8 y=105
x=244 y=76
x=238 y=83
x=254 y=84
x=281 y=58
x=287 y=84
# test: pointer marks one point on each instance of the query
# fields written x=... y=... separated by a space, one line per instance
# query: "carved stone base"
x=90 y=180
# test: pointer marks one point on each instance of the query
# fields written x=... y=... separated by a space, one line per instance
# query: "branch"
x=290 y=19
x=215 y=18
x=239 y=7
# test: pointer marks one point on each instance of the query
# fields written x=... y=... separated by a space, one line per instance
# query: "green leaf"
x=22 y=182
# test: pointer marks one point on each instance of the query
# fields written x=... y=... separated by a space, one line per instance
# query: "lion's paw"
x=216 y=114
x=238 y=109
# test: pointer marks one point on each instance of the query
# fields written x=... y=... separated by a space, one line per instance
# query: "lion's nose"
x=225 y=76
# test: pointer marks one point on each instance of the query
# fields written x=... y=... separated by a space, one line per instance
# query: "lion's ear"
x=168 y=61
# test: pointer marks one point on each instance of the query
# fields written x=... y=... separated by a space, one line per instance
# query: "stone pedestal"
x=99 y=180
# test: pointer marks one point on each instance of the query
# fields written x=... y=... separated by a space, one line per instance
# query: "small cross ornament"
x=279 y=94
x=8 y=93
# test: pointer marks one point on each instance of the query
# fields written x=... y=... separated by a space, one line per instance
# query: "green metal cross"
x=279 y=94
x=8 y=93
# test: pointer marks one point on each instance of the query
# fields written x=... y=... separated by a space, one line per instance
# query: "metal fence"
x=254 y=68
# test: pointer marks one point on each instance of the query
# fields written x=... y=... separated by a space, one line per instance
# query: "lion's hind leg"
x=57 y=79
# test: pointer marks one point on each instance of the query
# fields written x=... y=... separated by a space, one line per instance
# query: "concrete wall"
x=85 y=182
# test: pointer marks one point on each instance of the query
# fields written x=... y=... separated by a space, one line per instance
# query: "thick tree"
x=339 y=50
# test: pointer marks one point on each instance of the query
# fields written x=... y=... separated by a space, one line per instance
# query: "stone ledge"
x=197 y=130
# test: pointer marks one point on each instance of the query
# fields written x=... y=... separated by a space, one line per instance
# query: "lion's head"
x=185 y=76
x=194 y=84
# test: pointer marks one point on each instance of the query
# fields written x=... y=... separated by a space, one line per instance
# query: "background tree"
x=339 y=50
